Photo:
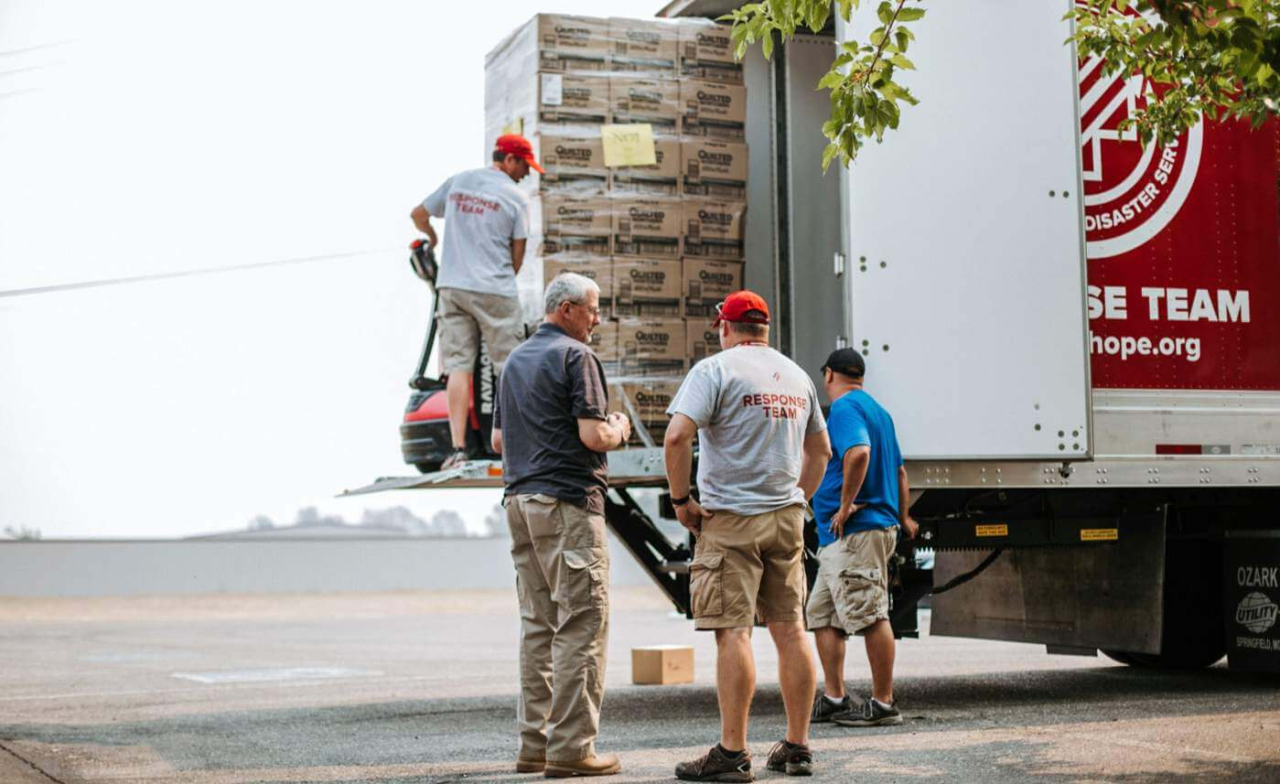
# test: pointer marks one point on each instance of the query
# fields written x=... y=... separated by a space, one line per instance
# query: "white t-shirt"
x=483 y=211
x=753 y=408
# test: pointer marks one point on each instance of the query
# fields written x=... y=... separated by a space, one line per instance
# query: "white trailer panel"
x=970 y=214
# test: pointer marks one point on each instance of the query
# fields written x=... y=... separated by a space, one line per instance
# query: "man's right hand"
x=691 y=516
x=431 y=235
x=623 y=423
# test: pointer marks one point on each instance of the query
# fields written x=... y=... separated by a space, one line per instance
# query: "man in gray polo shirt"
x=763 y=450
x=488 y=226
x=553 y=430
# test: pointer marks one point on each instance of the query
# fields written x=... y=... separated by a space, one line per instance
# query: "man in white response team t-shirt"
x=488 y=222
x=763 y=451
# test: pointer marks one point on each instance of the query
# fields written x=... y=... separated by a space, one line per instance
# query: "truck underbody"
x=1025 y=552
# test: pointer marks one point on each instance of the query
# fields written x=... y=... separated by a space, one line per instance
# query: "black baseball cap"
x=846 y=361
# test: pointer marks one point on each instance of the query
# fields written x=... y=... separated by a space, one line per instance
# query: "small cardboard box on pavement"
x=662 y=664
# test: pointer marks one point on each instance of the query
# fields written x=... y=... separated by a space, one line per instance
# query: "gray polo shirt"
x=753 y=408
x=483 y=211
x=549 y=382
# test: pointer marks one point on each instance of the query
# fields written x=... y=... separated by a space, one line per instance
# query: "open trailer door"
x=965 y=242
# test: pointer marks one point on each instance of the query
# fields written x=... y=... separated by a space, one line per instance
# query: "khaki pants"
x=852 y=589
x=562 y=576
x=747 y=568
x=465 y=317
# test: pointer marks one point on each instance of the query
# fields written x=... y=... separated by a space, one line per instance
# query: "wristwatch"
x=681 y=501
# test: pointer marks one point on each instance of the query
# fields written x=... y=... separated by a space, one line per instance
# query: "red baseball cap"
x=737 y=308
x=517 y=145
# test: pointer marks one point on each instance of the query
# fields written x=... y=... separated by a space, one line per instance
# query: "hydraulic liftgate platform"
x=667 y=563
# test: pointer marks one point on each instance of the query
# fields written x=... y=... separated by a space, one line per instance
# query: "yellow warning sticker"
x=1099 y=534
x=991 y=530
x=628 y=145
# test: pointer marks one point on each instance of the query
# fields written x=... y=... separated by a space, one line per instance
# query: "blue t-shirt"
x=856 y=419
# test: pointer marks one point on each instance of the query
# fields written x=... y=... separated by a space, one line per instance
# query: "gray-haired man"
x=553 y=430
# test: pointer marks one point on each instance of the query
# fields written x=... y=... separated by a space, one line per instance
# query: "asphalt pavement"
x=420 y=687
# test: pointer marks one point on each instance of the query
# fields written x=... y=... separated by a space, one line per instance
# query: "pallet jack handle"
x=422 y=258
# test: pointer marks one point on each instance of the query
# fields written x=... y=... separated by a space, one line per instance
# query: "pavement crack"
x=29 y=764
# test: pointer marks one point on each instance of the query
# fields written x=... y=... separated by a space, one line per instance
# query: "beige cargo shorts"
x=852 y=589
x=466 y=316
x=749 y=567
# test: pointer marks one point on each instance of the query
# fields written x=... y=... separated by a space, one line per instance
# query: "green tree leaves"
x=865 y=99
x=1219 y=58
x=1214 y=58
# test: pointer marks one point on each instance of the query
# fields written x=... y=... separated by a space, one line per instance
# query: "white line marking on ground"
x=80 y=695
x=277 y=674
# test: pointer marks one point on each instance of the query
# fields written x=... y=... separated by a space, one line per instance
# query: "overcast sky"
x=156 y=137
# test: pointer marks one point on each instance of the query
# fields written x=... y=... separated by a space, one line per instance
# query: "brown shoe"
x=530 y=765
x=591 y=766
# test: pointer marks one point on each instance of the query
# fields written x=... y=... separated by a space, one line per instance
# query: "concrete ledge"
x=182 y=567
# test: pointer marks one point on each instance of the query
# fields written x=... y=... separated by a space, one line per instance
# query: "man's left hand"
x=910 y=527
x=841 y=517
x=691 y=516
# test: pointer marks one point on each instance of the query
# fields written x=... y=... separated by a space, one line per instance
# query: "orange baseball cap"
x=737 y=308
x=517 y=145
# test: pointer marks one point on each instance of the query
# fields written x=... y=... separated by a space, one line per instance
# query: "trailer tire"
x=1194 y=622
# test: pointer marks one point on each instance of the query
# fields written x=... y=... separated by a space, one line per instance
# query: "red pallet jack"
x=424 y=433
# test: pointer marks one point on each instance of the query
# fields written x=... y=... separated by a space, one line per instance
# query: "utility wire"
x=29 y=68
x=36 y=48
x=90 y=284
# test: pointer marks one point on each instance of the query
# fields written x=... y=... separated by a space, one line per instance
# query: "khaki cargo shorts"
x=465 y=316
x=852 y=589
x=749 y=567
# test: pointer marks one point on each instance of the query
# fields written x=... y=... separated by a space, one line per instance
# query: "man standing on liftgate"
x=859 y=508
x=763 y=449
x=553 y=431
x=488 y=226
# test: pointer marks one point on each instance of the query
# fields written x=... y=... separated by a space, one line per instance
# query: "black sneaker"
x=871 y=713
x=715 y=765
x=824 y=710
x=791 y=759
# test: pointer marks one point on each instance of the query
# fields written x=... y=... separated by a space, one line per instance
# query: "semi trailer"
x=1078 y=337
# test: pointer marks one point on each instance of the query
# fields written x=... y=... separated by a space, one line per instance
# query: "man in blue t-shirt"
x=860 y=506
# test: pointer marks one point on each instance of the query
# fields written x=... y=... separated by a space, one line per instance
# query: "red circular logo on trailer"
x=1131 y=193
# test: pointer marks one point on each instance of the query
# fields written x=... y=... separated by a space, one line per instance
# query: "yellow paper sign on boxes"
x=628 y=145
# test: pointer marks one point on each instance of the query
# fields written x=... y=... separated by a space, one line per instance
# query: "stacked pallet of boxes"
x=663 y=241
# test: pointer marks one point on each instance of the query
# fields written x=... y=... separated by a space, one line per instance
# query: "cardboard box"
x=596 y=268
x=647 y=287
x=572 y=99
x=648 y=228
x=662 y=179
x=569 y=44
x=643 y=46
x=573 y=164
x=714 y=169
x=714 y=229
x=651 y=347
x=604 y=341
x=701 y=339
x=654 y=101
x=707 y=282
x=571 y=224
x=706 y=52
x=645 y=402
x=662 y=664
x=715 y=111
